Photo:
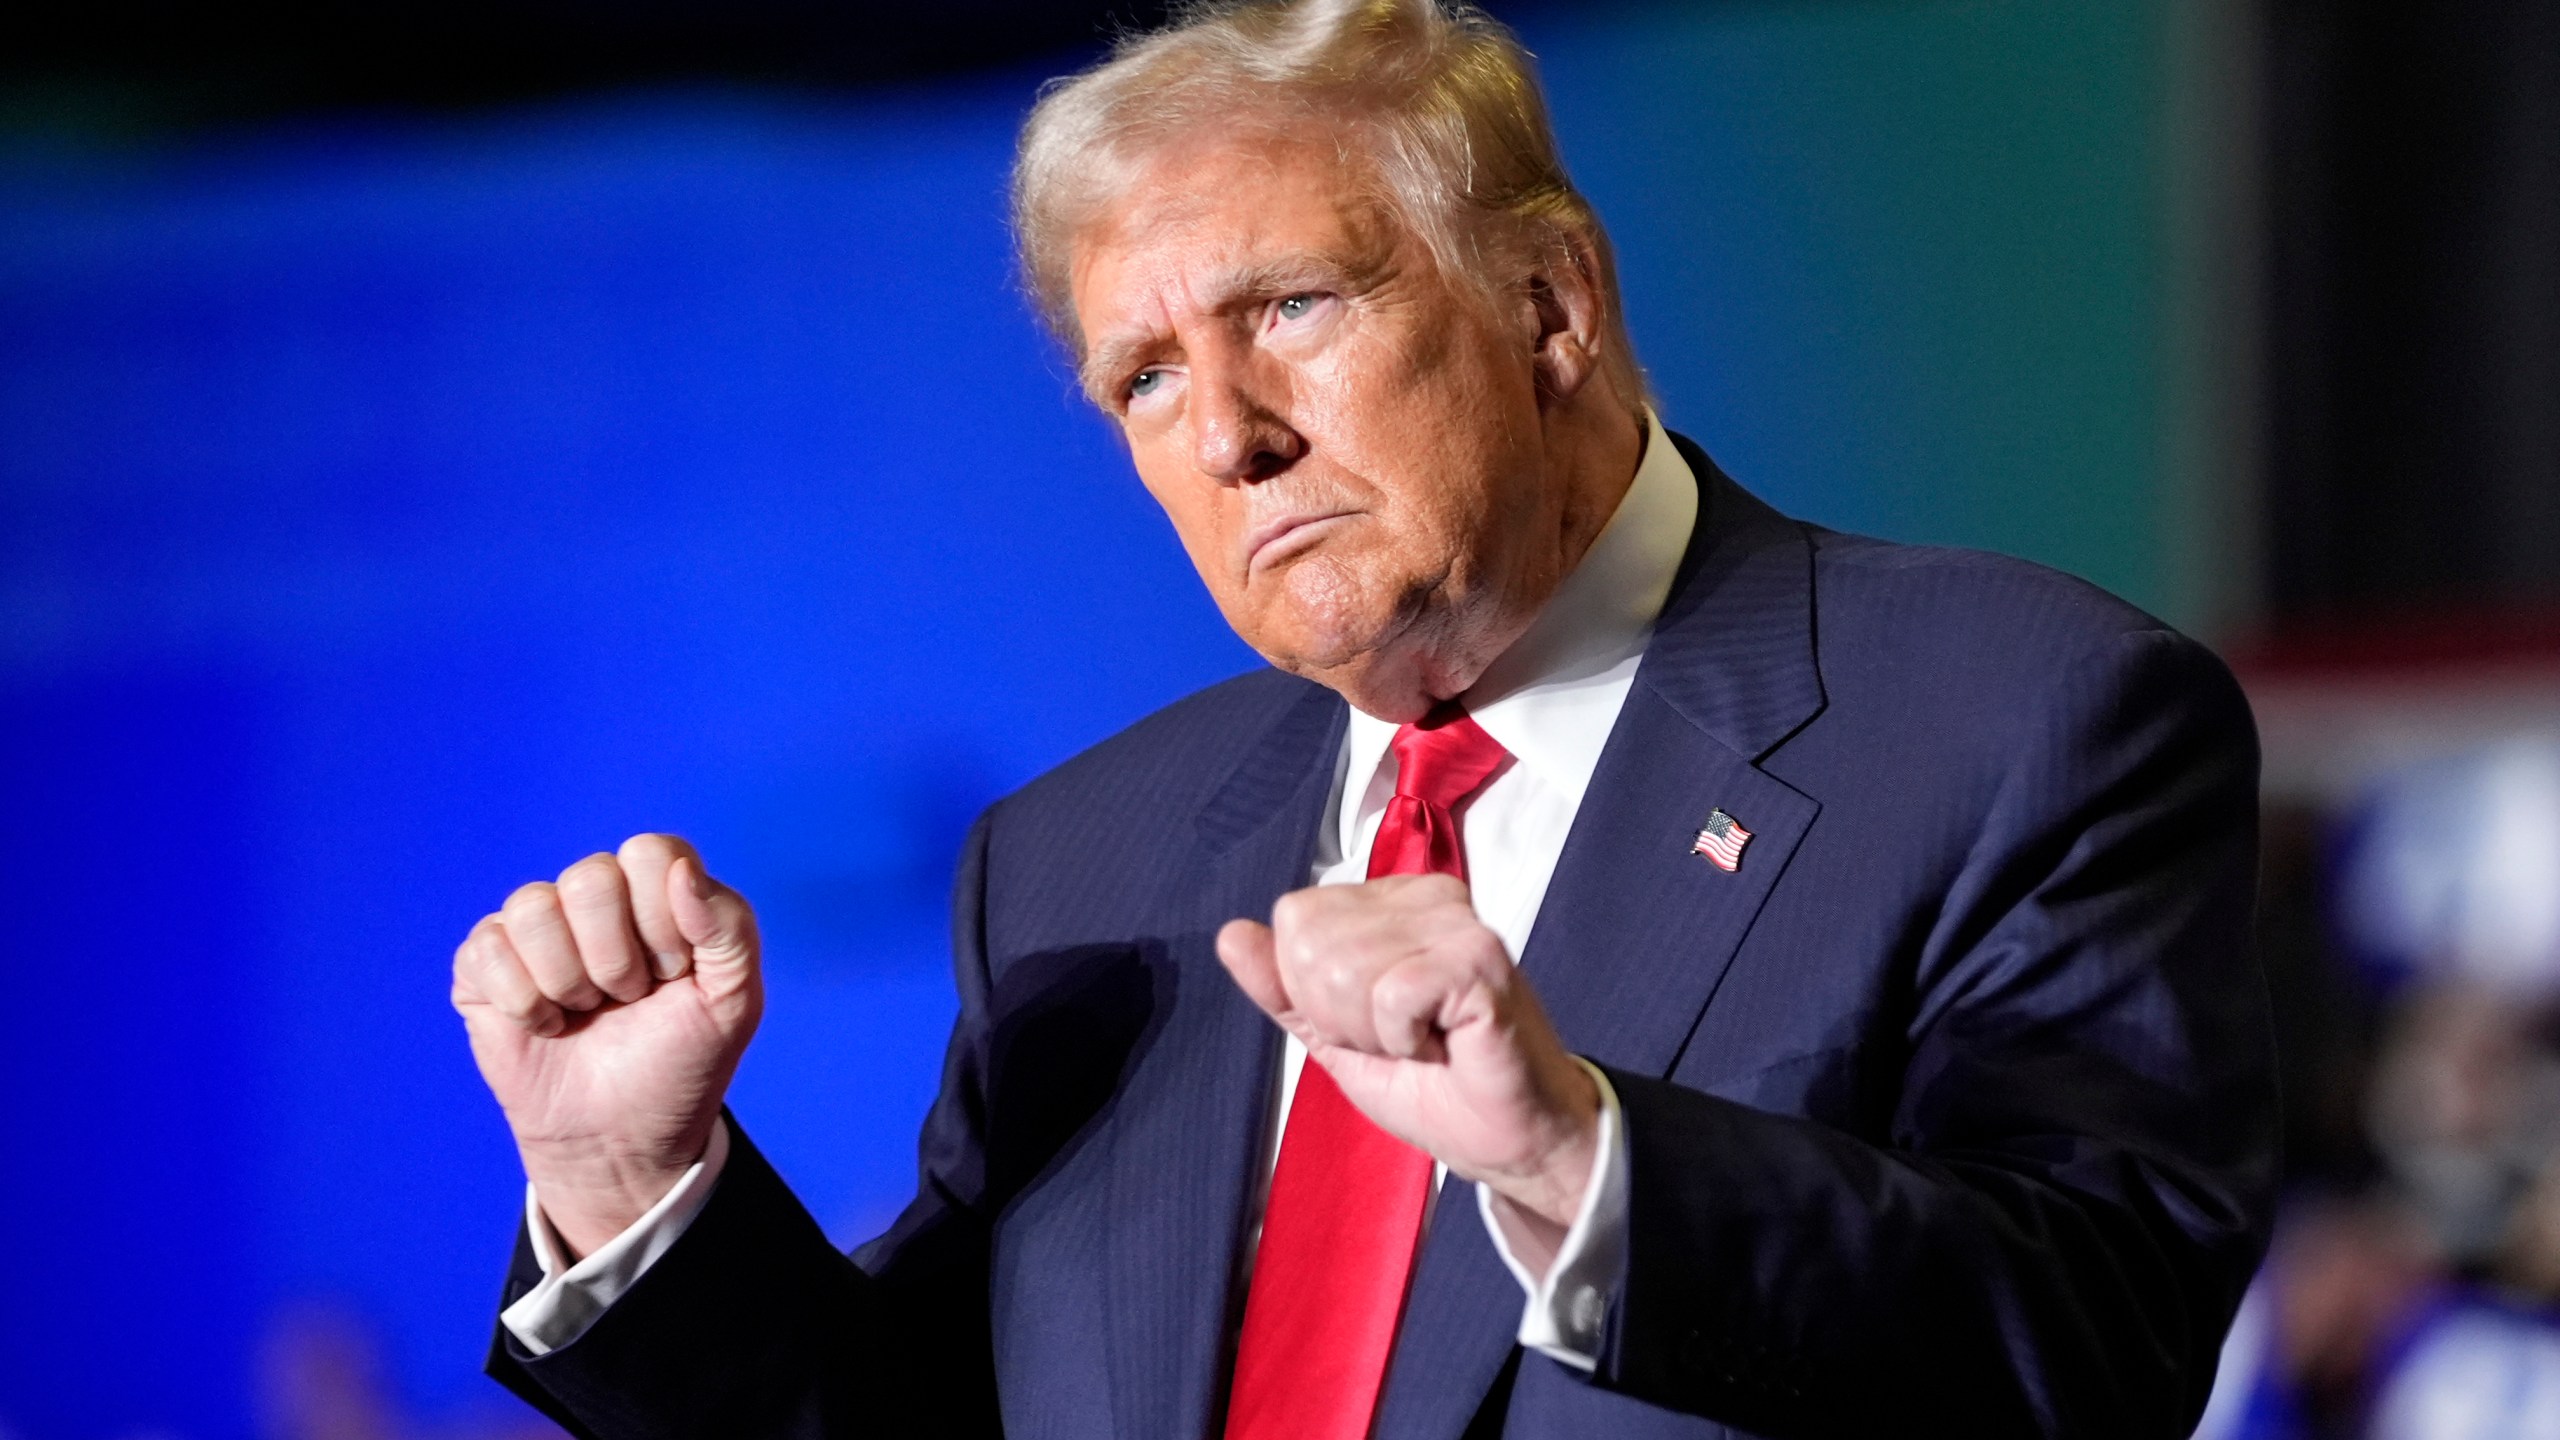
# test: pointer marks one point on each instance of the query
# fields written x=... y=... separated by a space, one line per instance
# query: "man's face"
x=1347 y=442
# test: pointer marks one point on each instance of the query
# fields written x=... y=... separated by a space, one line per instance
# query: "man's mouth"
x=1276 y=541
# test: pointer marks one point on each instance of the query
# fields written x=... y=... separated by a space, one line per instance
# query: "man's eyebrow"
x=1274 y=278
x=1106 y=360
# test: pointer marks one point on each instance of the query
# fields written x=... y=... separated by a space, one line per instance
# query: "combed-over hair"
x=1442 y=99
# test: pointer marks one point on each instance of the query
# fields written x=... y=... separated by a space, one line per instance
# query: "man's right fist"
x=608 y=1010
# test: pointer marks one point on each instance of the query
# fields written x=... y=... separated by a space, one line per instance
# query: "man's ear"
x=1565 y=299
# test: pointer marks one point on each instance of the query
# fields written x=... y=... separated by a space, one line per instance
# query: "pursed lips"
x=1277 y=539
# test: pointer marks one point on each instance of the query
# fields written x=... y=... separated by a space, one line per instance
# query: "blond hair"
x=1443 y=100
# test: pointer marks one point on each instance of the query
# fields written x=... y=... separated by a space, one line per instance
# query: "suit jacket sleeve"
x=2080 y=1169
x=754 y=1325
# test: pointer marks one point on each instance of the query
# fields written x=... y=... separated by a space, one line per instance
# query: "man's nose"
x=1238 y=434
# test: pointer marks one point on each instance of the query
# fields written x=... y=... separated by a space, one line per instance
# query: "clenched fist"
x=608 y=1010
x=1413 y=1006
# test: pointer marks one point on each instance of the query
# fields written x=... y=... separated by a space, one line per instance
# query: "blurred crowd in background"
x=434 y=444
x=2412 y=936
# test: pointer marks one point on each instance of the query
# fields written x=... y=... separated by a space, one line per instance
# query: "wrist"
x=1537 y=1212
x=1548 y=1190
x=592 y=1194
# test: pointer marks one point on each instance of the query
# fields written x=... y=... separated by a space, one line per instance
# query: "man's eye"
x=1296 y=306
x=1144 y=383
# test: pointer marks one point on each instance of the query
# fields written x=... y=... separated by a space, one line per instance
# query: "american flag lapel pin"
x=1722 y=841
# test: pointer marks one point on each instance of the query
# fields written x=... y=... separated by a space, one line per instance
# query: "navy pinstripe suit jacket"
x=1950 y=1112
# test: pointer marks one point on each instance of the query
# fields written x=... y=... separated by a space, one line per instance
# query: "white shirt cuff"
x=1567 y=1304
x=559 y=1310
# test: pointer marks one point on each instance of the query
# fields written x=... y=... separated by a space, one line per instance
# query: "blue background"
x=392 y=512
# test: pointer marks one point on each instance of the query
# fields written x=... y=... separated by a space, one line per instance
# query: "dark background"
x=2408 y=200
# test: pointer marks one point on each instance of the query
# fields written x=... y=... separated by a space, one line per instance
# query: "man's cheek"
x=1202 y=527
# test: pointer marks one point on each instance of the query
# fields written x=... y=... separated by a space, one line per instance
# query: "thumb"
x=714 y=921
x=1245 y=947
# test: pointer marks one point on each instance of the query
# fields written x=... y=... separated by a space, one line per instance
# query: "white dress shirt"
x=1551 y=700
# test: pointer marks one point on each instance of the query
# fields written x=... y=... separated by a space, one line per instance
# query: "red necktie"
x=1339 y=1236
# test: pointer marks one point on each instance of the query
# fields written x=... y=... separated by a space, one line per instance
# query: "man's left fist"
x=1415 y=1009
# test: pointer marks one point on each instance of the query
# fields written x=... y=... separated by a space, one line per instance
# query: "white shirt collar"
x=1552 y=697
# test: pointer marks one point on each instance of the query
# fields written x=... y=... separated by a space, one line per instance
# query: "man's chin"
x=1379 y=677
x=1372 y=654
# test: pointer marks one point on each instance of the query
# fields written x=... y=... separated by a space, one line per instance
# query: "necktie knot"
x=1444 y=757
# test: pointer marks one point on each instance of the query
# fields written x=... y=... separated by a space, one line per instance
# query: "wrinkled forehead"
x=1190 y=216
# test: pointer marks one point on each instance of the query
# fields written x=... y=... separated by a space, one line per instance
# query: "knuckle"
x=575 y=992
x=597 y=878
x=531 y=899
x=1396 y=990
x=1414 y=994
x=1299 y=954
x=646 y=851
x=735 y=924
x=1387 y=1004
x=486 y=948
x=654 y=845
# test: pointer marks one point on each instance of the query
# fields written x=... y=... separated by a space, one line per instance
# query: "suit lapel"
x=1636 y=932
x=1194 y=1110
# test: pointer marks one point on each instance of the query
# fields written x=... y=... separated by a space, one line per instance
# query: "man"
x=1882 y=1052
